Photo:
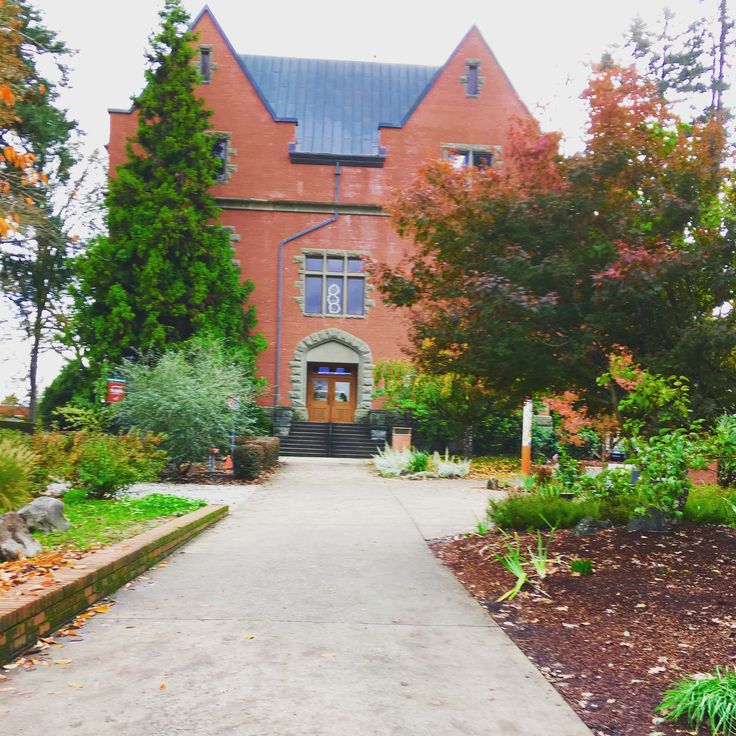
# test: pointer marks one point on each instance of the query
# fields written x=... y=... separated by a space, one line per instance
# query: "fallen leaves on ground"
x=40 y=569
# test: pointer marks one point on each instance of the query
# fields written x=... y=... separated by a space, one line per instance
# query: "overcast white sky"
x=545 y=47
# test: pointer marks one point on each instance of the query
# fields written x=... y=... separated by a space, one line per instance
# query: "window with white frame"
x=334 y=285
x=469 y=156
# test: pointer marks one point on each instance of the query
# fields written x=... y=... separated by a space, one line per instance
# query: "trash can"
x=401 y=438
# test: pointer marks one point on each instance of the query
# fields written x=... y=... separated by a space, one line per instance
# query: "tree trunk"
x=33 y=371
x=468 y=441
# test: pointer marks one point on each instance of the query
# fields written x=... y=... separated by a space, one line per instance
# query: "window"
x=205 y=63
x=334 y=285
x=472 y=85
x=472 y=80
x=468 y=156
x=220 y=152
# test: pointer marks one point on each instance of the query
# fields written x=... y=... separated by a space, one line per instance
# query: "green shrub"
x=701 y=699
x=108 y=464
x=248 y=461
x=16 y=462
x=522 y=511
x=184 y=397
x=711 y=504
x=582 y=566
x=419 y=462
x=271 y=449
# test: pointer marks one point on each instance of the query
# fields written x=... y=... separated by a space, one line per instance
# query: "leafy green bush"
x=16 y=462
x=248 y=461
x=522 y=511
x=184 y=397
x=699 y=699
x=724 y=446
x=108 y=464
x=710 y=504
x=419 y=462
x=271 y=449
x=582 y=567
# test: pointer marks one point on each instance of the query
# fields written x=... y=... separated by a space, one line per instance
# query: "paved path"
x=315 y=609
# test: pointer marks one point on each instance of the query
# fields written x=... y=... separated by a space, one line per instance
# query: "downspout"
x=280 y=293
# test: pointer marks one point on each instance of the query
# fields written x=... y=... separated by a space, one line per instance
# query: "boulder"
x=654 y=521
x=16 y=541
x=45 y=514
x=588 y=526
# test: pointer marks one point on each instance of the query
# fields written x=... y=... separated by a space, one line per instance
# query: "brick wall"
x=446 y=115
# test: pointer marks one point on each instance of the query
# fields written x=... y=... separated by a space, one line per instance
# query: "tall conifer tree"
x=165 y=272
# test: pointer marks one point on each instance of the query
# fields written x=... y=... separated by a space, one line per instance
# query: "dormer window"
x=472 y=79
x=205 y=63
x=472 y=87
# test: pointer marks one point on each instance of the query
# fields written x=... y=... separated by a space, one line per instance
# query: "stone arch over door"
x=317 y=346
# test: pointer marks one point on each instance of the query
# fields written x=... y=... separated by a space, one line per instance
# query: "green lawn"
x=99 y=523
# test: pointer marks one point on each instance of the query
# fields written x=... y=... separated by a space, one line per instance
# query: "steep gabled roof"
x=339 y=105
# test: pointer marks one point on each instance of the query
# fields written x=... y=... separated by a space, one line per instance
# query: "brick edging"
x=24 y=617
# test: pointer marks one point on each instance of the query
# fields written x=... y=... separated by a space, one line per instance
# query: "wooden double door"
x=331 y=392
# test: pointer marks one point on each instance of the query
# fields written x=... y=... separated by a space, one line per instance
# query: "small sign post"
x=526 y=439
x=115 y=390
x=233 y=403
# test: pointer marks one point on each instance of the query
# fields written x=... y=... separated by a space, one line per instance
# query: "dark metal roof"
x=339 y=105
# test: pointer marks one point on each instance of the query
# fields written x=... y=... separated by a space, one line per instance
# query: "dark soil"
x=220 y=477
x=655 y=608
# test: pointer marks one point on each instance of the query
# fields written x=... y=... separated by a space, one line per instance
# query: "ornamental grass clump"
x=704 y=699
x=450 y=467
x=16 y=464
x=392 y=462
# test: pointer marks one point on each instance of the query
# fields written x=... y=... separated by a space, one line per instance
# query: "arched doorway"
x=331 y=377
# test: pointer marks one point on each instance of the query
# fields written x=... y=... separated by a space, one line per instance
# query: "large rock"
x=654 y=521
x=45 y=514
x=587 y=526
x=16 y=541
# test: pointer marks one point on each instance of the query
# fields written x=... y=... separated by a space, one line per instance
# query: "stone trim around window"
x=299 y=284
x=230 y=151
x=464 y=78
x=208 y=47
x=234 y=238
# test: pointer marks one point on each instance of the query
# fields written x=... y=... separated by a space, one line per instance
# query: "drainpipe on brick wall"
x=280 y=293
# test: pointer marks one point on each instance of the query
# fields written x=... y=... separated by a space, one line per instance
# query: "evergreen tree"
x=165 y=272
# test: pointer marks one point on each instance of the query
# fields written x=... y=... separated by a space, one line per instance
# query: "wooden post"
x=526 y=439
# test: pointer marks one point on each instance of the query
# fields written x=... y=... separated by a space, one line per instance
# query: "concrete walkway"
x=315 y=609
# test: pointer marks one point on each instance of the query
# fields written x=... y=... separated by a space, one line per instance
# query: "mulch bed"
x=655 y=608
x=199 y=474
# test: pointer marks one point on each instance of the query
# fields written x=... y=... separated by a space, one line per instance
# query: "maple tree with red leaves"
x=529 y=275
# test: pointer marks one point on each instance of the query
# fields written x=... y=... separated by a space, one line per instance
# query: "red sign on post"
x=115 y=390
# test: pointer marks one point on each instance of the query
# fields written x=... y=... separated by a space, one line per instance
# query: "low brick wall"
x=25 y=616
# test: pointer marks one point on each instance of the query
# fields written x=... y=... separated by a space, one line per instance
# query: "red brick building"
x=311 y=150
